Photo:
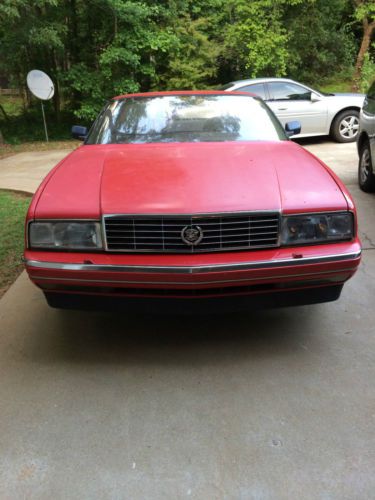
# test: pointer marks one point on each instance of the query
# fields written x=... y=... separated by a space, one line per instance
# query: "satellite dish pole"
x=41 y=86
x=44 y=121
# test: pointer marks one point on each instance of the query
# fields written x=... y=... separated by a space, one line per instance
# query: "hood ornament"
x=192 y=235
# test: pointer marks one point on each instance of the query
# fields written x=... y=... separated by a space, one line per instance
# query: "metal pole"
x=44 y=121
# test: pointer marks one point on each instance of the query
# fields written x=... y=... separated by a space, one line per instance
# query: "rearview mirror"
x=79 y=132
x=292 y=128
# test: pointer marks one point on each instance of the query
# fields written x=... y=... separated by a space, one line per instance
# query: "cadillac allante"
x=190 y=200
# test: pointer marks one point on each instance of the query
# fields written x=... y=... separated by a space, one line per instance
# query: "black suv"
x=366 y=143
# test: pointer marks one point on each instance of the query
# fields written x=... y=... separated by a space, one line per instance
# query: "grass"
x=25 y=132
x=12 y=104
x=19 y=125
x=13 y=208
x=28 y=127
x=337 y=86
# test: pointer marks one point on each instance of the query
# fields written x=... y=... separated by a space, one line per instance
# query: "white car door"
x=290 y=101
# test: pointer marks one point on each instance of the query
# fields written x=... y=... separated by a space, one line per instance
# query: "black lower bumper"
x=188 y=305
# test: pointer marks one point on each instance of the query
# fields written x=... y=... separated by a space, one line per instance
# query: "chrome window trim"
x=238 y=83
x=211 y=268
x=322 y=212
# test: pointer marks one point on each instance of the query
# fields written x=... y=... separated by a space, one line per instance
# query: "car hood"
x=348 y=94
x=188 y=178
x=342 y=101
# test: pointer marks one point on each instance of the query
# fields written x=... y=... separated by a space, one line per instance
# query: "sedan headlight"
x=317 y=228
x=65 y=235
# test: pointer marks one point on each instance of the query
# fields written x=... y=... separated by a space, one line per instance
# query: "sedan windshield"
x=185 y=118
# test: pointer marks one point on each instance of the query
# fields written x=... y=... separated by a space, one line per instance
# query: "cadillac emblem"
x=192 y=235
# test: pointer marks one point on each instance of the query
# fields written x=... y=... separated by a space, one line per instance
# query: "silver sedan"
x=318 y=112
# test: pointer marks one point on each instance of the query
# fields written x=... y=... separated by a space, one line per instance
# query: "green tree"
x=256 y=39
x=320 y=41
x=193 y=60
x=118 y=43
x=31 y=35
x=92 y=50
x=365 y=14
x=99 y=48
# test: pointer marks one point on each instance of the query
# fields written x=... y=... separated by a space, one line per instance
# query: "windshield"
x=185 y=118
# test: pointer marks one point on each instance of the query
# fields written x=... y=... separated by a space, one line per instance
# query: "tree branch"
x=4 y=113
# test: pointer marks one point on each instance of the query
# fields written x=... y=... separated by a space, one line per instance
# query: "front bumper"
x=270 y=271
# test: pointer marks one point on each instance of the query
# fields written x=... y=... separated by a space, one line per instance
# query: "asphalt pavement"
x=278 y=404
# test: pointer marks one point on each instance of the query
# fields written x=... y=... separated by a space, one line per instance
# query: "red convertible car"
x=190 y=199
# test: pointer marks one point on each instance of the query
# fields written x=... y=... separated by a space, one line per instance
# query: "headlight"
x=65 y=235
x=316 y=228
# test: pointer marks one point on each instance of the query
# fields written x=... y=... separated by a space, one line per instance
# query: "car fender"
x=336 y=105
x=362 y=138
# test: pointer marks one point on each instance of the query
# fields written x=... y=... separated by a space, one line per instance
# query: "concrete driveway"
x=270 y=405
x=24 y=171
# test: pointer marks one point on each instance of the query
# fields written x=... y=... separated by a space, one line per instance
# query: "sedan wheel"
x=345 y=126
x=366 y=178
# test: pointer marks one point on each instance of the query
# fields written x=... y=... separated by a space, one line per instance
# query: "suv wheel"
x=345 y=126
x=366 y=177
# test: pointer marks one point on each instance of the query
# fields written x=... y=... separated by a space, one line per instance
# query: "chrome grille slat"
x=252 y=230
x=195 y=221
x=228 y=236
x=162 y=233
x=149 y=238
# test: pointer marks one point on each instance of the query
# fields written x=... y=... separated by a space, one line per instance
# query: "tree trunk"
x=57 y=102
x=368 y=29
x=4 y=113
x=56 y=96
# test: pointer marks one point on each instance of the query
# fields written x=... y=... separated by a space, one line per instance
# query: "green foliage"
x=193 y=60
x=340 y=83
x=256 y=37
x=28 y=126
x=368 y=73
x=364 y=9
x=96 y=49
x=328 y=44
x=126 y=40
x=12 y=105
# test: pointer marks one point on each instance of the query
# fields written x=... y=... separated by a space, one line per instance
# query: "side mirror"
x=292 y=128
x=315 y=97
x=79 y=132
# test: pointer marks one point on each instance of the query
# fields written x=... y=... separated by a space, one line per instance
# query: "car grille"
x=191 y=234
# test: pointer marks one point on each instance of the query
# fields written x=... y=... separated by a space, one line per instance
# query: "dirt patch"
x=10 y=149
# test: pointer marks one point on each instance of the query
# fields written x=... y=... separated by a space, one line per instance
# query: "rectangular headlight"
x=317 y=228
x=65 y=235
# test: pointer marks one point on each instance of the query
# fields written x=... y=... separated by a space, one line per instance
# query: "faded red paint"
x=179 y=178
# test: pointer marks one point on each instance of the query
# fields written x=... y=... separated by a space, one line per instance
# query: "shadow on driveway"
x=76 y=337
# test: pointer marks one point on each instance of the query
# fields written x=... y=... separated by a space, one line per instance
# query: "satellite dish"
x=40 y=84
x=42 y=87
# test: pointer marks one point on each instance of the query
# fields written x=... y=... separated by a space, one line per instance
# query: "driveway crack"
x=368 y=239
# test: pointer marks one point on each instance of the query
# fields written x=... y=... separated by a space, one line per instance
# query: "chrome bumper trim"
x=343 y=273
x=242 y=266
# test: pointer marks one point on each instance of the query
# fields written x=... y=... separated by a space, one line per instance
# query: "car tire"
x=366 y=177
x=345 y=126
